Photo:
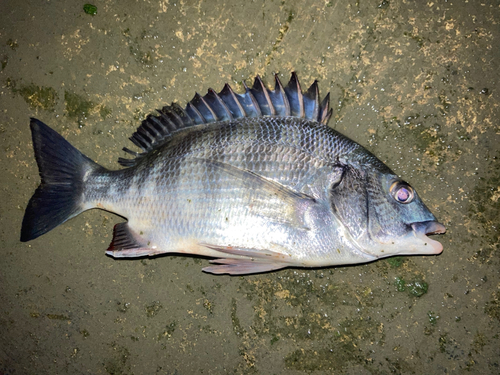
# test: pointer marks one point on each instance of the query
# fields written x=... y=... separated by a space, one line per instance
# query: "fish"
x=255 y=181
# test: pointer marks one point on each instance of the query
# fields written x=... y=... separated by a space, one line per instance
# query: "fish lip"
x=424 y=228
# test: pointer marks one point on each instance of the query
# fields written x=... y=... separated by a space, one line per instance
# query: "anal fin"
x=127 y=244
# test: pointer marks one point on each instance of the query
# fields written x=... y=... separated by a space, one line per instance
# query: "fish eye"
x=402 y=192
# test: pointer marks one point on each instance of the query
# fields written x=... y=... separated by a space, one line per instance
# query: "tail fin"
x=60 y=194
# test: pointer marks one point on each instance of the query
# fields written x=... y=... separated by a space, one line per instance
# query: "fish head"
x=384 y=214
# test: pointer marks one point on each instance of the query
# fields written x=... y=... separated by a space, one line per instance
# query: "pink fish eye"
x=403 y=195
x=402 y=192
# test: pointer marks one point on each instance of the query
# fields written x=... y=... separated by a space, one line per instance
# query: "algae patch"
x=90 y=9
x=396 y=261
x=76 y=106
x=104 y=112
x=415 y=288
x=37 y=97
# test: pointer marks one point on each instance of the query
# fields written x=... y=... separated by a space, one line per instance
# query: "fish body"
x=257 y=181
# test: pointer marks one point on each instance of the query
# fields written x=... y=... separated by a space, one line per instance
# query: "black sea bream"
x=257 y=181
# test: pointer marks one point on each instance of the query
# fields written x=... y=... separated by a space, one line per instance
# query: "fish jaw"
x=415 y=242
x=422 y=229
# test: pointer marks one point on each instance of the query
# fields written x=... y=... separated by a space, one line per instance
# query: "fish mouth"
x=424 y=228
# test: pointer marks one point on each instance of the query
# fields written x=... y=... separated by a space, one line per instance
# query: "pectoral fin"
x=263 y=197
x=254 y=180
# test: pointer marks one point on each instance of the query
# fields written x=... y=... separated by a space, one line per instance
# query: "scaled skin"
x=187 y=204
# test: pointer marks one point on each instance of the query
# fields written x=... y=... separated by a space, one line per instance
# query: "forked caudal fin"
x=62 y=170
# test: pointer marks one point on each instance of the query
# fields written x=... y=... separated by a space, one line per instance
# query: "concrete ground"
x=417 y=83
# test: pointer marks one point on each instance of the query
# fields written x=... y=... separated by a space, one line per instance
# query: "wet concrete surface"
x=417 y=83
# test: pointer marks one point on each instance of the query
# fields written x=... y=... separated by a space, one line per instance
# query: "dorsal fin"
x=226 y=106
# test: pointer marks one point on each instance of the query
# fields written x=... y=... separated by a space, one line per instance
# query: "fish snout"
x=424 y=228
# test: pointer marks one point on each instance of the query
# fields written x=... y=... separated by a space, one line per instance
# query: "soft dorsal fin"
x=226 y=105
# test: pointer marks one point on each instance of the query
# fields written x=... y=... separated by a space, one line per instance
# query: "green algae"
x=104 y=112
x=415 y=288
x=77 y=107
x=400 y=284
x=37 y=97
x=396 y=261
x=90 y=9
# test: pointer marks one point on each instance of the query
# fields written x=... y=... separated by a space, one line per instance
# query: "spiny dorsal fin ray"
x=249 y=102
x=325 y=110
x=219 y=107
x=295 y=97
x=279 y=98
x=232 y=102
x=202 y=105
x=194 y=114
x=311 y=101
x=261 y=94
x=226 y=106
